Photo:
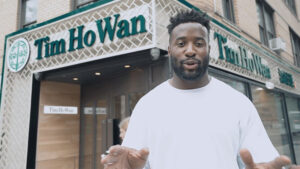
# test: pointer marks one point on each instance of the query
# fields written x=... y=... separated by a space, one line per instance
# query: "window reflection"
x=30 y=11
x=134 y=98
x=239 y=86
x=293 y=107
x=120 y=106
x=270 y=108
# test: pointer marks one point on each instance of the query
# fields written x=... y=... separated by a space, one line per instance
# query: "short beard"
x=198 y=74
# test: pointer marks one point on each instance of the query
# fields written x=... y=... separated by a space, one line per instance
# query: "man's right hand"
x=121 y=157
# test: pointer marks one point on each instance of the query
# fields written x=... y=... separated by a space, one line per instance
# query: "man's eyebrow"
x=183 y=38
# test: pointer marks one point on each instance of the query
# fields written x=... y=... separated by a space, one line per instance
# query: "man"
x=194 y=121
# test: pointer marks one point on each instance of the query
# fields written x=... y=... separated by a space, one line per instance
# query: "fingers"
x=277 y=163
x=119 y=156
x=143 y=153
x=247 y=158
x=112 y=155
x=280 y=162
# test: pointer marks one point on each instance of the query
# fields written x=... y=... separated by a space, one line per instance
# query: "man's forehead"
x=184 y=26
x=181 y=29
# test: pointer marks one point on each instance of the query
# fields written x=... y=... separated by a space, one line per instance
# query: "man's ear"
x=169 y=51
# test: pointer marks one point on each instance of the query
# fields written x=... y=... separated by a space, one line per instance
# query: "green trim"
x=241 y=37
x=2 y=73
x=77 y=11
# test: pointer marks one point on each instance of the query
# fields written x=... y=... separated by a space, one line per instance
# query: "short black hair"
x=189 y=16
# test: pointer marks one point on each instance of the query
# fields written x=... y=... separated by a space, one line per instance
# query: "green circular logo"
x=18 y=55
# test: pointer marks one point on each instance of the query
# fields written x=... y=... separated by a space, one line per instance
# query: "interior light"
x=259 y=88
x=97 y=73
x=75 y=79
x=127 y=66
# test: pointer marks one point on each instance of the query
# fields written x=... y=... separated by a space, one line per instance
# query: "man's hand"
x=277 y=163
x=121 y=157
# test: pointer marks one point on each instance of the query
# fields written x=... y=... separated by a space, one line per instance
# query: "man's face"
x=189 y=50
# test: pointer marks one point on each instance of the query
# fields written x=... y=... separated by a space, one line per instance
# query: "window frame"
x=291 y=4
x=23 y=6
x=77 y=5
x=228 y=10
x=295 y=43
x=265 y=9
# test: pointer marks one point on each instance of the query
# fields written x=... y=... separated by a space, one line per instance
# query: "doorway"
x=106 y=91
x=103 y=105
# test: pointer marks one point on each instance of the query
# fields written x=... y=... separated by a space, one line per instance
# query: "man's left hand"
x=277 y=163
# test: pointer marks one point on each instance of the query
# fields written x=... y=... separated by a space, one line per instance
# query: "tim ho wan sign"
x=79 y=37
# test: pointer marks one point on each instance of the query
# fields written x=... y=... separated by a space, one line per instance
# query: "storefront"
x=68 y=82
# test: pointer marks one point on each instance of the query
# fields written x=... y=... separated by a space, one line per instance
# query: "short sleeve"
x=254 y=137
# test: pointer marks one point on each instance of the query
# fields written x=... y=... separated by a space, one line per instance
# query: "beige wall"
x=246 y=16
x=58 y=135
x=53 y=8
x=8 y=22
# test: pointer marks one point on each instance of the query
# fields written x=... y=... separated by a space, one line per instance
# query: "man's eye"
x=199 y=44
x=180 y=44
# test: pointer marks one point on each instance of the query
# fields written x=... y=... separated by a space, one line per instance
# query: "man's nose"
x=190 y=52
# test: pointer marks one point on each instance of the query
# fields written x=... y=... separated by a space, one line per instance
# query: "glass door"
x=93 y=133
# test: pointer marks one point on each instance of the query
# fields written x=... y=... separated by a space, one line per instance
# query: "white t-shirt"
x=201 y=128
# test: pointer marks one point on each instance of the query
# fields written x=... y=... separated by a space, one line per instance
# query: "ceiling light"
x=259 y=89
x=270 y=85
x=75 y=79
x=97 y=73
x=127 y=66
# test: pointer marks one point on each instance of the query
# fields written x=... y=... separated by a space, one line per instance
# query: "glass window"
x=120 y=107
x=265 y=22
x=81 y=3
x=291 y=5
x=293 y=107
x=295 y=40
x=134 y=98
x=270 y=108
x=29 y=12
x=239 y=86
x=228 y=10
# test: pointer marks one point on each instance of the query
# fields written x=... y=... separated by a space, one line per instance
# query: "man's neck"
x=189 y=84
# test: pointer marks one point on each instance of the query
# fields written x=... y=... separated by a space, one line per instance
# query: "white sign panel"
x=90 y=110
x=60 y=110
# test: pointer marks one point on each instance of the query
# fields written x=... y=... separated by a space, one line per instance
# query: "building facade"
x=73 y=69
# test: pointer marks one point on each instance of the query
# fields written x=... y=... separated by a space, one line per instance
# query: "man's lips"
x=191 y=64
